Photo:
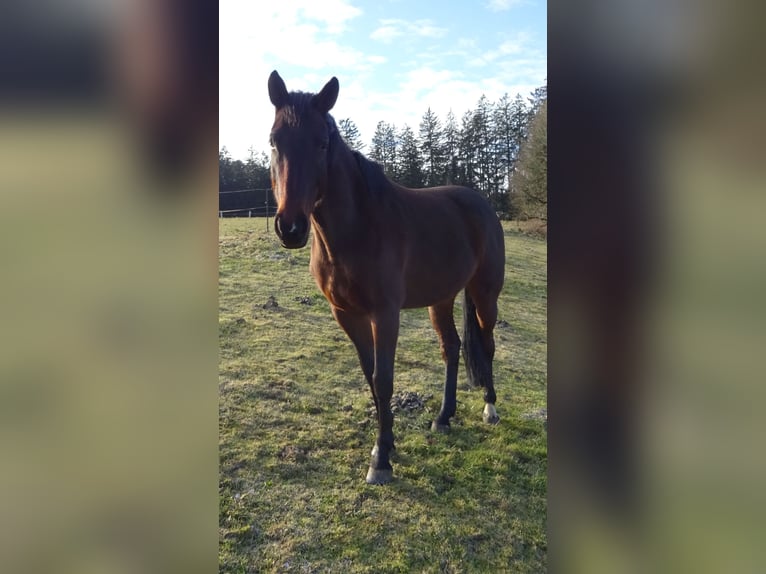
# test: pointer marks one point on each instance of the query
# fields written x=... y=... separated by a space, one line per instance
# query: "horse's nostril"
x=292 y=233
x=300 y=226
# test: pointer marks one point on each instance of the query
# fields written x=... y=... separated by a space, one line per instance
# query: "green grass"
x=296 y=430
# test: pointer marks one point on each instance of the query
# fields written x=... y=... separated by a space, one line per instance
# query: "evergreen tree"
x=224 y=161
x=231 y=172
x=384 y=148
x=257 y=170
x=378 y=144
x=536 y=99
x=483 y=146
x=350 y=134
x=530 y=179
x=432 y=148
x=505 y=138
x=451 y=143
x=482 y=151
x=510 y=125
x=391 y=151
x=467 y=152
x=409 y=169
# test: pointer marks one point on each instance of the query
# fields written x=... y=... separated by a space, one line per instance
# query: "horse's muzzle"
x=293 y=234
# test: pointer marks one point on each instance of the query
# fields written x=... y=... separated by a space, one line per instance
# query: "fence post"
x=267 y=214
x=250 y=213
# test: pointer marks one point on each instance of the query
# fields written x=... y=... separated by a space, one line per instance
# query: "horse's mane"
x=372 y=172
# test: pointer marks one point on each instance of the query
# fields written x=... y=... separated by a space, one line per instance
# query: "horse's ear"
x=325 y=100
x=277 y=90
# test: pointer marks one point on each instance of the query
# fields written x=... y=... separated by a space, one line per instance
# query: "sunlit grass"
x=296 y=430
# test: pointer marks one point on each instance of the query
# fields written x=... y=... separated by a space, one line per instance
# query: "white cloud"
x=437 y=88
x=511 y=46
x=255 y=38
x=502 y=5
x=429 y=31
x=386 y=34
x=391 y=28
x=333 y=13
x=295 y=38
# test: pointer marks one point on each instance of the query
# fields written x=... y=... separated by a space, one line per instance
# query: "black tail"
x=478 y=363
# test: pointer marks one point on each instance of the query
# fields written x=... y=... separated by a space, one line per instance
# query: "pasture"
x=296 y=425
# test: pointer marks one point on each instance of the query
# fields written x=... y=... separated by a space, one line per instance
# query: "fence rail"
x=244 y=190
x=265 y=212
x=250 y=211
x=250 y=202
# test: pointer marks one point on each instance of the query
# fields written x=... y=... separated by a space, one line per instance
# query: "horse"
x=378 y=247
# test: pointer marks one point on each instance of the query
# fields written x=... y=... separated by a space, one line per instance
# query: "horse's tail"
x=478 y=363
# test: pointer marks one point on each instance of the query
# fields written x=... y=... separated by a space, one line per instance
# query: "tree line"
x=498 y=148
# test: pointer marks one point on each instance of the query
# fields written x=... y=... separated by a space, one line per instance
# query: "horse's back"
x=454 y=235
x=460 y=210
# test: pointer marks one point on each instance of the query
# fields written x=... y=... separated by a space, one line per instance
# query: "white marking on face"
x=293 y=228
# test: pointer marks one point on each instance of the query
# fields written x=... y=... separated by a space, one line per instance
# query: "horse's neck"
x=340 y=218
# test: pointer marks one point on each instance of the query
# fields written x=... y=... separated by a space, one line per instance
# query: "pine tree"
x=378 y=144
x=530 y=179
x=257 y=170
x=484 y=152
x=510 y=125
x=350 y=134
x=536 y=99
x=467 y=152
x=224 y=160
x=505 y=148
x=431 y=148
x=451 y=143
x=409 y=169
x=384 y=147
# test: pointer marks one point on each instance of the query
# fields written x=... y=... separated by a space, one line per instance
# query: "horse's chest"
x=342 y=288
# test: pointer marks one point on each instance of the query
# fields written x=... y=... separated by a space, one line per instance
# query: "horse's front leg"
x=385 y=330
x=359 y=330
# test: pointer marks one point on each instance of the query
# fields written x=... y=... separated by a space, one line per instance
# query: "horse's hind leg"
x=443 y=321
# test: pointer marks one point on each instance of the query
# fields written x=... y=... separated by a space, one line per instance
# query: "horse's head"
x=299 y=142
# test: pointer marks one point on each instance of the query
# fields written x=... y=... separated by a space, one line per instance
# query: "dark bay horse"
x=379 y=247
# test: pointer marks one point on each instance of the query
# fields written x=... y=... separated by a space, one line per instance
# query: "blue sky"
x=394 y=58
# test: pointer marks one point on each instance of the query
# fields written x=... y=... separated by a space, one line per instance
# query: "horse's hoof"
x=379 y=476
x=490 y=414
x=437 y=427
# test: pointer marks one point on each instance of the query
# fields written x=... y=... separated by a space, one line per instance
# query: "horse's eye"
x=323 y=146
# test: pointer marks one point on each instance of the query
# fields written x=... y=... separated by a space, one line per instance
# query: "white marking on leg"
x=490 y=414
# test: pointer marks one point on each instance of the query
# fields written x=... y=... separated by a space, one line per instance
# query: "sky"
x=394 y=59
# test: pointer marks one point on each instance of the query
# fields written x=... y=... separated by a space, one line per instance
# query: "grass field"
x=297 y=425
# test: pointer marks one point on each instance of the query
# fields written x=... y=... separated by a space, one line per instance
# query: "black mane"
x=372 y=172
